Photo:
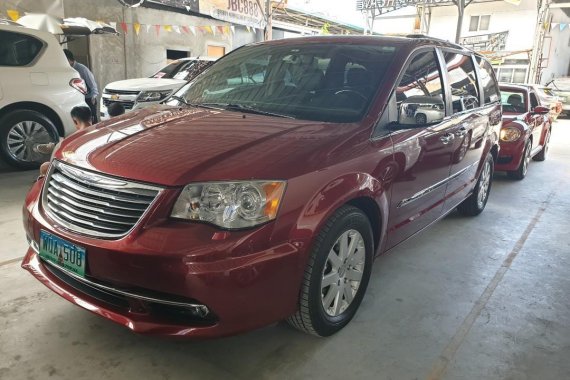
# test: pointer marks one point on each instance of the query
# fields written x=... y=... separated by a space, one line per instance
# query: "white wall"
x=559 y=57
x=518 y=20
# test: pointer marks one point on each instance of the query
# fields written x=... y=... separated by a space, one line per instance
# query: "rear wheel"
x=541 y=156
x=20 y=132
x=337 y=274
x=521 y=171
x=475 y=203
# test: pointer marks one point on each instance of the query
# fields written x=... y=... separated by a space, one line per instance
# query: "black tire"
x=35 y=122
x=541 y=156
x=421 y=119
x=521 y=171
x=311 y=316
x=472 y=206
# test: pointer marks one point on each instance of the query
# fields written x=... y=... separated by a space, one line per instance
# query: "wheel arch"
x=38 y=107
x=360 y=190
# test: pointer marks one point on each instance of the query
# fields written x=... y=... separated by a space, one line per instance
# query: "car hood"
x=175 y=146
x=141 y=84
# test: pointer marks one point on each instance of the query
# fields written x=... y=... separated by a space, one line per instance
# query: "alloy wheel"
x=23 y=137
x=526 y=159
x=343 y=272
x=484 y=185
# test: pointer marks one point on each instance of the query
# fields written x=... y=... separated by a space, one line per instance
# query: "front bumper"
x=174 y=279
x=510 y=155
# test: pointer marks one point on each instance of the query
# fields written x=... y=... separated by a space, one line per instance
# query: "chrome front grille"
x=93 y=204
x=127 y=104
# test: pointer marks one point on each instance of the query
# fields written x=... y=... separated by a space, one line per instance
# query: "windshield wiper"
x=179 y=98
x=245 y=109
x=201 y=105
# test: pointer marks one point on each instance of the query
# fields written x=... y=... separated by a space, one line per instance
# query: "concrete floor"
x=482 y=298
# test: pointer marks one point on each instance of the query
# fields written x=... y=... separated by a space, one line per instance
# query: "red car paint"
x=533 y=126
x=251 y=278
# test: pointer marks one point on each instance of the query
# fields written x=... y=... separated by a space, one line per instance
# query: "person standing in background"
x=89 y=79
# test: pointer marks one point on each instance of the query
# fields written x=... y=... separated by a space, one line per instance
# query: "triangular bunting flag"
x=148 y=26
x=248 y=28
x=137 y=28
x=563 y=26
x=124 y=27
x=208 y=29
x=113 y=25
x=176 y=28
x=157 y=29
x=192 y=29
x=554 y=24
x=213 y=29
x=13 y=14
x=185 y=29
x=221 y=29
x=168 y=28
x=233 y=29
x=188 y=8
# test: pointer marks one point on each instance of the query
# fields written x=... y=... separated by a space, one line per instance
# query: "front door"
x=423 y=142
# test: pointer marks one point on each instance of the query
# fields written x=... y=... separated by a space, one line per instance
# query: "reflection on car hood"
x=141 y=84
x=175 y=146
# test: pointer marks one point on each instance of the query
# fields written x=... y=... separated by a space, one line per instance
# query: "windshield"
x=321 y=82
x=186 y=70
x=513 y=101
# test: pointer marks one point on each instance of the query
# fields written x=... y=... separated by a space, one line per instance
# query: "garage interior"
x=483 y=297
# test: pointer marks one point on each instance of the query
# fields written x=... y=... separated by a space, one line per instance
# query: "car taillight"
x=79 y=85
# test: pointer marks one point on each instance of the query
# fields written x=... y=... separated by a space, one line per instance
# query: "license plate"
x=62 y=253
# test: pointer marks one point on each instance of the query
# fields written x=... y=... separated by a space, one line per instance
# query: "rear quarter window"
x=18 y=49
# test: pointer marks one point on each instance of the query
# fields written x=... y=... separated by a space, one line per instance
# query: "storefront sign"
x=243 y=12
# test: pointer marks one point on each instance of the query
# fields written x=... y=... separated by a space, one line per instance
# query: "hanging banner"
x=13 y=14
x=243 y=12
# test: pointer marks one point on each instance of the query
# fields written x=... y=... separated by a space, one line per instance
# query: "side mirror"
x=540 y=110
x=421 y=111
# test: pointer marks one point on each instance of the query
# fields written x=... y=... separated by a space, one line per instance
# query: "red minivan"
x=264 y=189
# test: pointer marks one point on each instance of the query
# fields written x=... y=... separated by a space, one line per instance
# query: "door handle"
x=461 y=132
x=446 y=139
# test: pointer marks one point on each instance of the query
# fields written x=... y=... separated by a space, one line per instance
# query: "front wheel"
x=475 y=203
x=521 y=171
x=337 y=274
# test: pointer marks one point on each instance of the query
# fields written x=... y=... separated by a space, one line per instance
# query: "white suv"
x=38 y=89
x=143 y=92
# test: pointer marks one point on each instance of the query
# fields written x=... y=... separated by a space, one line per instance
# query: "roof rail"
x=419 y=35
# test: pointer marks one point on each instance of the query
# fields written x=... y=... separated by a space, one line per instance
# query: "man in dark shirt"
x=89 y=79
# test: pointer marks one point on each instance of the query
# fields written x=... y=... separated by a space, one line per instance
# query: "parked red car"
x=264 y=189
x=526 y=130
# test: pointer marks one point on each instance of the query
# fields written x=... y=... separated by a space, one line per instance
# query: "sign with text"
x=243 y=12
x=364 y=5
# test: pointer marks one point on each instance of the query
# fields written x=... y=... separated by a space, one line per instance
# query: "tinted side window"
x=419 y=95
x=463 y=82
x=18 y=49
x=490 y=88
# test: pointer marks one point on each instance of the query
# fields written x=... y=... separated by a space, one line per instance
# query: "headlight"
x=231 y=205
x=510 y=134
x=153 y=96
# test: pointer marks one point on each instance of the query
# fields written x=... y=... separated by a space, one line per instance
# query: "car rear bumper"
x=156 y=285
